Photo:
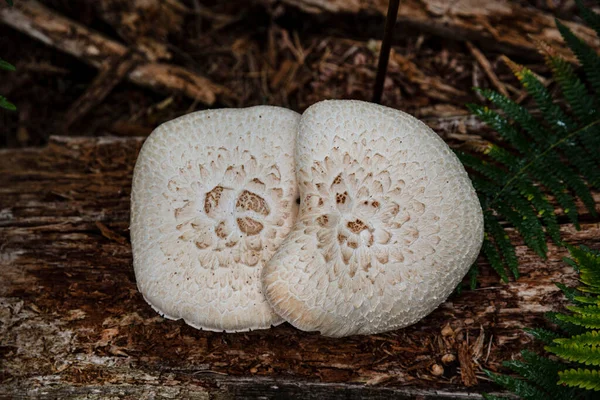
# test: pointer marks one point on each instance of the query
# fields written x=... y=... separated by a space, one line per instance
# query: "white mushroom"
x=213 y=196
x=388 y=225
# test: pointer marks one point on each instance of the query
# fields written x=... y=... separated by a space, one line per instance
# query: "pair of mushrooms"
x=388 y=223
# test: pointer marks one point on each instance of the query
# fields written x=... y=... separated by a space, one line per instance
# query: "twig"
x=35 y=20
x=111 y=74
x=384 y=55
x=487 y=68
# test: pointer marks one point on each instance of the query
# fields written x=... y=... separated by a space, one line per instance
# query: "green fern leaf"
x=583 y=378
x=493 y=256
x=585 y=54
x=507 y=250
x=5 y=65
x=588 y=321
x=473 y=274
x=587 y=164
x=590 y=17
x=567 y=326
x=502 y=126
x=573 y=89
x=520 y=115
x=589 y=267
x=519 y=212
x=538 y=370
x=586 y=310
x=587 y=300
x=588 y=355
x=569 y=293
x=589 y=289
x=590 y=338
x=520 y=387
x=4 y=103
x=544 y=335
x=491 y=172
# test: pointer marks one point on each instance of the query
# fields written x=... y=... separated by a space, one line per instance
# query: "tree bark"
x=73 y=323
x=499 y=25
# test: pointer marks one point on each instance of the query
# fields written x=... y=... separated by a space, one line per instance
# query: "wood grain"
x=500 y=25
x=73 y=323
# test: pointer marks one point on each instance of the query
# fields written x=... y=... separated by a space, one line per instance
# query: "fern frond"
x=555 y=378
x=589 y=267
x=558 y=120
x=585 y=54
x=4 y=103
x=551 y=162
x=566 y=326
x=569 y=293
x=518 y=386
x=493 y=256
x=500 y=125
x=588 y=355
x=589 y=289
x=519 y=212
x=590 y=338
x=5 y=65
x=587 y=300
x=586 y=320
x=586 y=310
x=544 y=335
x=575 y=92
x=589 y=16
x=582 y=378
x=537 y=369
x=507 y=250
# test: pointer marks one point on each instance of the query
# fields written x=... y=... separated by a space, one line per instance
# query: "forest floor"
x=116 y=69
x=267 y=52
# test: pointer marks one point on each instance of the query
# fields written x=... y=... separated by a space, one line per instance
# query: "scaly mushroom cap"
x=388 y=225
x=213 y=197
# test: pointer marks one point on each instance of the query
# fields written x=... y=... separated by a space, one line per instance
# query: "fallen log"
x=502 y=26
x=36 y=20
x=72 y=321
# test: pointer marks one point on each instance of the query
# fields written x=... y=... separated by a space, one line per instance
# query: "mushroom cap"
x=389 y=223
x=213 y=196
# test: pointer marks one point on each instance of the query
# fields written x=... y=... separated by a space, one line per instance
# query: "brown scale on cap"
x=249 y=226
x=337 y=180
x=251 y=201
x=323 y=220
x=212 y=199
x=340 y=198
x=357 y=226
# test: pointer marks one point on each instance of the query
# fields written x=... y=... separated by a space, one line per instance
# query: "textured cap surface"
x=213 y=197
x=389 y=223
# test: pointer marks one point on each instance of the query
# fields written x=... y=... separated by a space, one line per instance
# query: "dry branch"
x=34 y=19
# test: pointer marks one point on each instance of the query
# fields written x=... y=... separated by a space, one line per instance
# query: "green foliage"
x=564 y=377
x=553 y=156
x=4 y=65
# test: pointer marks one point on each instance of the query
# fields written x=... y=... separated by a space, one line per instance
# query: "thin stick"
x=384 y=55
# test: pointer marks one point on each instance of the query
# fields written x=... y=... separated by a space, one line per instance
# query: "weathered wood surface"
x=500 y=25
x=73 y=325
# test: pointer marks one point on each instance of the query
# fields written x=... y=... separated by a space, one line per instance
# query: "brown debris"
x=107 y=233
x=487 y=68
x=467 y=372
x=112 y=72
x=34 y=19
